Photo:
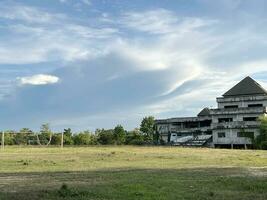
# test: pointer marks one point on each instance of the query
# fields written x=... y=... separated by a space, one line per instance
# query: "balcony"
x=179 y=129
x=237 y=125
x=247 y=110
x=242 y=98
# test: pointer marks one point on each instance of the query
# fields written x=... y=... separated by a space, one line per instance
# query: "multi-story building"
x=232 y=124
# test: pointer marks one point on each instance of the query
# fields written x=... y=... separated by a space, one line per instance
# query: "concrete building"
x=230 y=125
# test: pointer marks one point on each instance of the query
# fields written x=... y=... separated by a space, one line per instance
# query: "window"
x=205 y=123
x=225 y=120
x=231 y=106
x=163 y=128
x=191 y=124
x=255 y=105
x=247 y=119
x=245 y=134
x=221 y=135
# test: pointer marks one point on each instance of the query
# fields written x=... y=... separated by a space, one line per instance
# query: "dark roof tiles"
x=204 y=112
x=247 y=86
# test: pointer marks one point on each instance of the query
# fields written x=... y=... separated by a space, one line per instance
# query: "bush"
x=134 y=138
x=64 y=191
x=105 y=136
x=9 y=138
x=84 y=138
x=162 y=142
x=263 y=145
x=260 y=141
x=56 y=139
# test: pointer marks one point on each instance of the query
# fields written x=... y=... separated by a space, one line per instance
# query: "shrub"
x=56 y=139
x=105 y=136
x=260 y=141
x=134 y=137
x=84 y=138
x=263 y=145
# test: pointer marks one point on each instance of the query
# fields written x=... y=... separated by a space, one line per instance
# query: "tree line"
x=145 y=134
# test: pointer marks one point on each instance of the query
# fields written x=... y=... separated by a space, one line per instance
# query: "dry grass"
x=128 y=172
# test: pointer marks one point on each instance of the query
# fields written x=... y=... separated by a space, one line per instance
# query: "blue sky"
x=89 y=64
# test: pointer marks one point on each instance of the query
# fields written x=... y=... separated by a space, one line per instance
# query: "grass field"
x=132 y=173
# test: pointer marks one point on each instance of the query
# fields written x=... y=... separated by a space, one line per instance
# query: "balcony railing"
x=247 y=110
x=243 y=98
x=238 y=124
x=180 y=129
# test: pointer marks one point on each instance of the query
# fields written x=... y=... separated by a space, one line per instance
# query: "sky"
x=87 y=64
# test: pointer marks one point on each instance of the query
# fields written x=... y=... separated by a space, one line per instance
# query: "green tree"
x=67 y=136
x=45 y=135
x=260 y=141
x=119 y=134
x=134 y=137
x=9 y=137
x=22 y=137
x=84 y=138
x=147 y=127
x=105 y=136
x=56 y=139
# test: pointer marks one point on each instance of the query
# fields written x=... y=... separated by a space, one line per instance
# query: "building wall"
x=178 y=126
x=241 y=101
x=231 y=129
x=231 y=136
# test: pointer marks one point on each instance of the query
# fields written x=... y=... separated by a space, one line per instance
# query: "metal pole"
x=62 y=140
x=3 y=140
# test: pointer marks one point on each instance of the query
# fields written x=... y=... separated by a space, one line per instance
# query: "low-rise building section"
x=232 y=124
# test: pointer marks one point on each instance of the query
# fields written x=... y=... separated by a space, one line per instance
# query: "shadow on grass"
x=123 y=184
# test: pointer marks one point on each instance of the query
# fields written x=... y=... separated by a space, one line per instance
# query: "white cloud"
x=178 y=50
x=38 y=79
x=69 y=42
x=28 y=14
x=161 y=21
x=90 y=32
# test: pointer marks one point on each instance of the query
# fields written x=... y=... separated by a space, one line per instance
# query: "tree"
x=260 y=141
x=56 y=139
x=105 y=136
x=119 y=134
x=134 y=137
x=23 y=136
x=45 y=135
x=67 y=136
x=84 y=138
x=9 y=137
x=147 y=127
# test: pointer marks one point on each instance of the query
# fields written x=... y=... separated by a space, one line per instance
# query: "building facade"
x=231 y=125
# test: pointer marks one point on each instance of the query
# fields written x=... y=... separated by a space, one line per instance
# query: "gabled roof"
x=246 y=87
x=204 y=112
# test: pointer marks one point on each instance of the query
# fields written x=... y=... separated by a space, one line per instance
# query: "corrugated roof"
x=247 y=86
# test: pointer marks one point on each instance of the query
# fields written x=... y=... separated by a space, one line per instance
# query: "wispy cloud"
x=40 y=36
x=131 y=62
x=38 y=79
x=161 y=21
x=28 y=14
